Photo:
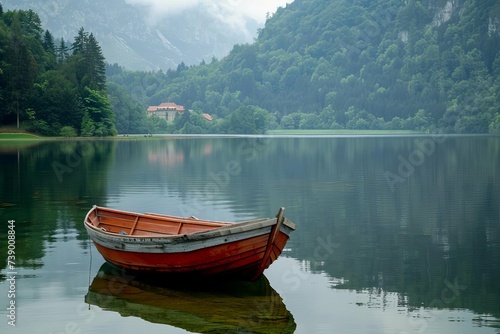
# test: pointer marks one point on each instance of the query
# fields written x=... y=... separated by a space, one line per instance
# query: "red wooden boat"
x=168 y=244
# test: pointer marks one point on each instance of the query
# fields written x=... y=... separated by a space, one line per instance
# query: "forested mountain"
x=130 y=36
x=358 y=64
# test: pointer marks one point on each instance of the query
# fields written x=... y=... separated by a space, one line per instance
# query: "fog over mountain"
x=155 y=34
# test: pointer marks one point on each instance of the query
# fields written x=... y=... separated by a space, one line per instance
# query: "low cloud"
x=234 y=12
x=169 y=7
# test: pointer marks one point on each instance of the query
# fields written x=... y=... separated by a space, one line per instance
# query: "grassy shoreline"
x=17 y=136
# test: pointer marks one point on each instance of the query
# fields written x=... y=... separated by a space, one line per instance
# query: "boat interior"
x=147 y=224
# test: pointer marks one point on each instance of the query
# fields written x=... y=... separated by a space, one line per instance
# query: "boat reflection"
x=193 y=305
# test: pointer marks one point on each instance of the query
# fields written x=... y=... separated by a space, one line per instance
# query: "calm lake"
x=394 y=234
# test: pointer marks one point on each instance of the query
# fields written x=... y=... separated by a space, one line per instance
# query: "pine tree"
x=81 y=38
x=62 y=52
x=96 y=67
x=90 y=62
x=22 y=69
x=49 y=59
x=48 y=42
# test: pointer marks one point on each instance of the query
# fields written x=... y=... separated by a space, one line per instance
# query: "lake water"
x=394 y=234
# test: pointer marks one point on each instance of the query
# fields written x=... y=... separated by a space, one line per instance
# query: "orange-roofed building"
x=167 y=109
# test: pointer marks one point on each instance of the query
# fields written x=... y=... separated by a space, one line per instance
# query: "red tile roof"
x=166 y=106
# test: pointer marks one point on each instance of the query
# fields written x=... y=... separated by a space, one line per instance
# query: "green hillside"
x=335 y=64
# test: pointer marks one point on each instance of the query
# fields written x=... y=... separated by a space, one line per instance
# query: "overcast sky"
x=236 y=12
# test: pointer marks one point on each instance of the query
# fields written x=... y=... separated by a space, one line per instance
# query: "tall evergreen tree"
x=89 y=61
x=62 y=52
x=48 y=42
x=50 y=50
x=95 y=63
x=81 y=38
x=21 y=72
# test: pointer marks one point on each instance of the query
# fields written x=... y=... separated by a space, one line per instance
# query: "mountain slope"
x=131 y=38
x=389 y=58
x=417 y=64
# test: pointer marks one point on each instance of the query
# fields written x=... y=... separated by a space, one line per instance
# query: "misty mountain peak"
x=132 y=37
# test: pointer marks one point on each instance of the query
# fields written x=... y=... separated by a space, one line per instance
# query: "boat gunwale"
x=224 y=229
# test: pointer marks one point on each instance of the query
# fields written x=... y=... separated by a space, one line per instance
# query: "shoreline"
x=28 y=137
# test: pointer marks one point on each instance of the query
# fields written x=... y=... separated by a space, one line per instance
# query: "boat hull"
x=239 y=250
